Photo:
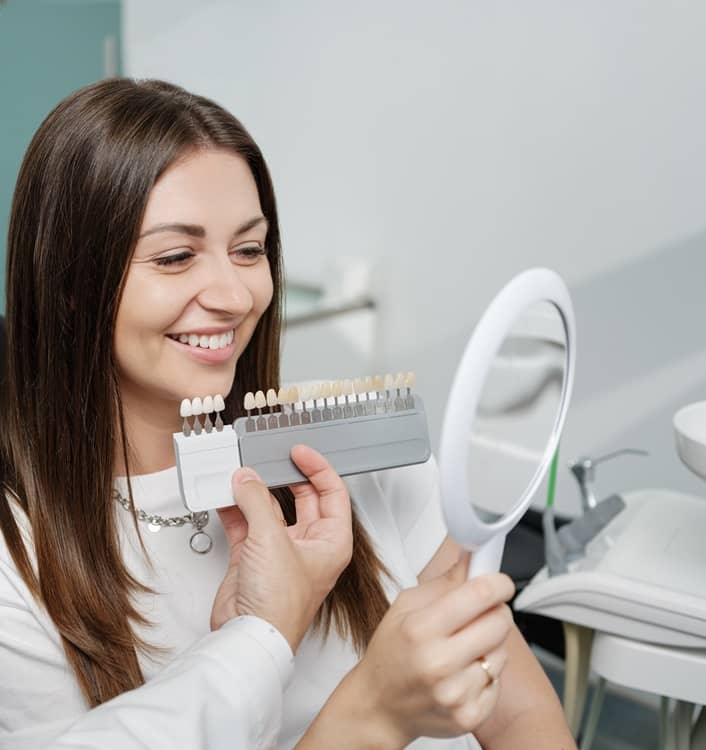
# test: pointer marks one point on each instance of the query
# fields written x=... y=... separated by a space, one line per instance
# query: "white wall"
x=457 y=142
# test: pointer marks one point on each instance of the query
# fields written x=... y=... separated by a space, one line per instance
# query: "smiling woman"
x=144 y=268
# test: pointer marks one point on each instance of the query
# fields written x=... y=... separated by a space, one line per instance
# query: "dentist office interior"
x=424 y=156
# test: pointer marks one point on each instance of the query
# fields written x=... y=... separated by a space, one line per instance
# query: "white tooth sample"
x=260 y=400
x=214 y=342
x=399 y=380
x=304 y=392
x=378 y=383
x=185 y=408
x=410 y=380
x=223 y=340
x=389 y=382
x=196 y=406
x=183 y=338
x=315 y=392
x=208 y=405
x=272 y=397
x=218 y=403
x=283 y=396
x=336 y=388
x=204 y=342
x=193 y=339
x=249 y=402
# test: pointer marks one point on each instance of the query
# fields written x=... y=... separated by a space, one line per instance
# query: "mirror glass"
x=516 y=413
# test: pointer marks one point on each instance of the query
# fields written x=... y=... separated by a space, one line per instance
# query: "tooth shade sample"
x=347 y=387
x=378 y=383
x=359 y=386
x=411 y=380
x=260 y=400
x=389 y=382
x=315 y=392
x=196 y=406
x=369 y=384
x=218 y=403
x=293 y=395
x=185 y=408
x=399 y=380
x=325 y=389
x=208 y=405
x=272 y=397
x=249 y=401
x=283 y=396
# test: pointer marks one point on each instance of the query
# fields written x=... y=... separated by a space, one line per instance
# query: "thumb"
x=253 y=499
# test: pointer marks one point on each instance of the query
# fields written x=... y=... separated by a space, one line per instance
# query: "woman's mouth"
x=211 y=348
x=204 y=341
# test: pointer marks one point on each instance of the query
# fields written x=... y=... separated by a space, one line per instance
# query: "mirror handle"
x=487 y=557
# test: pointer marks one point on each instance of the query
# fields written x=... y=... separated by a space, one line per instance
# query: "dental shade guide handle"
x=487 y=557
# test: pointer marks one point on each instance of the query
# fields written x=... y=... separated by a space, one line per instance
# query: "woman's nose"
x=224 y=290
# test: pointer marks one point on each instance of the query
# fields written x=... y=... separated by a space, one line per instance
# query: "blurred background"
x=422 y=154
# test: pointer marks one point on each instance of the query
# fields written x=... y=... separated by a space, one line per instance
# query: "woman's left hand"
x=284 y=574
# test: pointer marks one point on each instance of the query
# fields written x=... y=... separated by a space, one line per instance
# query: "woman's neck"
x=149 y=436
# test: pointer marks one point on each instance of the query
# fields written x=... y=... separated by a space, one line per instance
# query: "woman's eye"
x=247 y=254
x=175 y=259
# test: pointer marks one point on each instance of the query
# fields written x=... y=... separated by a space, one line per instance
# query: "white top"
x=235 y=688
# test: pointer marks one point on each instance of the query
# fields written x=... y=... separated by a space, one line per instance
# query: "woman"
x=144 y=267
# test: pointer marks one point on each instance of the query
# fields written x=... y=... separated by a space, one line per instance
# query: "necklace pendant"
x=201 y=542
x=154 y=528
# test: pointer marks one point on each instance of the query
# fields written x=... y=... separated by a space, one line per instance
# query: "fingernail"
x=245 y=475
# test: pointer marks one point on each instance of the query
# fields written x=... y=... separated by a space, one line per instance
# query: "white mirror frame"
x=487 y=540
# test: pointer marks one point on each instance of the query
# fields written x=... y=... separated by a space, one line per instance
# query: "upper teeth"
x=219 y=341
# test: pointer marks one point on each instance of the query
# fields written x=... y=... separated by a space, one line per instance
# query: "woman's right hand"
x=421 y=674
x=281 y=573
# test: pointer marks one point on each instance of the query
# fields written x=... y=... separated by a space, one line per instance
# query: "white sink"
x=690 y=433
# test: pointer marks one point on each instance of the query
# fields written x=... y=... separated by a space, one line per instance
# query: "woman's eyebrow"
x=196 y=230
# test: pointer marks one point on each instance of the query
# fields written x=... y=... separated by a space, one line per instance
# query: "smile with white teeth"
x=217 y=341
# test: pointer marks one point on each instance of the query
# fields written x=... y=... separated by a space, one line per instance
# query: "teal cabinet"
x=48 y=48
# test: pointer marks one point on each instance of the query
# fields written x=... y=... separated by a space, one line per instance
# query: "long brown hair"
x=76 y=213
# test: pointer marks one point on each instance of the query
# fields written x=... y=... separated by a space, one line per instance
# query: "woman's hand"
x=282 y=574
x=423 y=673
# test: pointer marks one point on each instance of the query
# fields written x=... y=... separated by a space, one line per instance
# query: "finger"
x=466 y=602
x=484 y=635
x=468 y=682
x=306 y=503
x=255 y=502
x=234 y=524
x=333 y=499
x=425 y=594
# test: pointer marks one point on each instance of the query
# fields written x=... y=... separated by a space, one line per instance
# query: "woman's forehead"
x=206 y=188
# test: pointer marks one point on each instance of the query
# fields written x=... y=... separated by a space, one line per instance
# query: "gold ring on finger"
x=491 y=678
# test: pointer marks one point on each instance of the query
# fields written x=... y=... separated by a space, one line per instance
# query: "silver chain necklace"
x=200 y=542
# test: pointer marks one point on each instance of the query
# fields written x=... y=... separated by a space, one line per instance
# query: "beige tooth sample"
x=271 y=397
x=249 y=401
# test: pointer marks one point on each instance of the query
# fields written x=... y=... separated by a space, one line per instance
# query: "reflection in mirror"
x=517 y=411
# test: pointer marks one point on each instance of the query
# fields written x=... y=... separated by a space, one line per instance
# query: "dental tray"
x=359 y=426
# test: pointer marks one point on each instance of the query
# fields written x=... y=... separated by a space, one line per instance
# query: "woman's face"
x=197 y=283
